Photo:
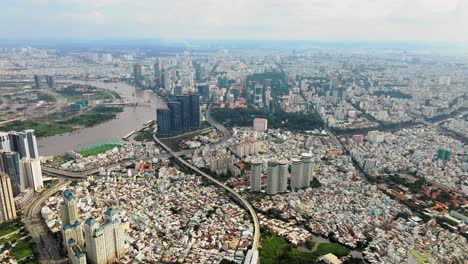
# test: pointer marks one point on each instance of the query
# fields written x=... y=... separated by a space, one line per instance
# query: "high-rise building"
x=37 y=81
x=163 y=120
x=32 y=144
x=204 y=91
x=307 y=169
x=272 y=177
x=5 y=141
x=68 y=208
x=138 y=74
x=185 y=106
x=260 y=124
x=7 y=204
x=105 y=243
x=178 y=89
x=283 y=175
x=50 y=80
x=31 y=173
x=194 y=111
x=19 y=143
x=296 y=174
x=163 y=78
x=71 y=226
x=255 y=176
x=176 y=116
x=24 y=143
x=157 y=73
x=9 y=164
x=76 y=255
x=258 y=93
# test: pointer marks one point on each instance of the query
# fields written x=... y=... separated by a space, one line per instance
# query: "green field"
x=99 y=94
x=273 y=248
x=92 y=117
x=22 y=249
x=50 y=126
x=94 y=150
x=42 y=129
x=338 y=250
x=11 y=238
x=9 y=227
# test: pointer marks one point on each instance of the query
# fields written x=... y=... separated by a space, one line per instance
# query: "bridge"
x=128 y=104
x=232 y=193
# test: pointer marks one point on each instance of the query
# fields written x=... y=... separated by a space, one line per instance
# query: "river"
x=132 y=118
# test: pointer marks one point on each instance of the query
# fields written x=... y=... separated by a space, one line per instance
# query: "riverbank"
x=49 y=125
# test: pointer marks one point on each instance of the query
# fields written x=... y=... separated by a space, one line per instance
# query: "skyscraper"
x=24 y=143
x=283 y=175
x=105 y=243
x=75 y=252
x=32 y=144
x=7 y=204
x=296 y=173
x=71 y=226
x=185 y=106
x=307 y=169
x=272 y=177
x=194 y=111
x=255 y=176
x=50 y=81
x=37 y=81
x=31 y=173
x=5 y=141
x=163 y=78
x=19 y=143
x=138 y=74
x=204 y=91
x=9 y=164
x=176 y=116
x=157 y=73
x=164 y=121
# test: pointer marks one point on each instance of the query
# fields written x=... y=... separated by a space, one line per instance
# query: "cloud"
x=420 y=20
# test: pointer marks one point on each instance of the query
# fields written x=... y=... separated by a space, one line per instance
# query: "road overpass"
x=238 y=197
x=84 y=174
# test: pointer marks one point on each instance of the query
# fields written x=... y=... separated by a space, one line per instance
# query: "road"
x=241 y=199
x=220 y=127
x=48 y=247
x=84 y=174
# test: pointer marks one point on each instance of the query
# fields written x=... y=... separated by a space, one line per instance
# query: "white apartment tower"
x=296 y=174
x=71 y=226
x=307 y=169
x=105 y=243
x=283 y=175
x=273 y=180
x=256 y=176
x=31 y=173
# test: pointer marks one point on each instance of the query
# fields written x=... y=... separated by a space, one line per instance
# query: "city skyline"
x=363 y=20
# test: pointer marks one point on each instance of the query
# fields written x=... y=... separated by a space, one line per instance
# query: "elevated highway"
x=234 y=194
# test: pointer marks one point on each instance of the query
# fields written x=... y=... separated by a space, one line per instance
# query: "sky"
x=332 y=20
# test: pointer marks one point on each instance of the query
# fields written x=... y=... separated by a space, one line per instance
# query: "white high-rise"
x=71 y=226
x=256 y=176
x=5 y=141
x=283 y=175
x=105 y=243
x=307 y=169
x=31 y=174
x=273 y=180
x=296 y=174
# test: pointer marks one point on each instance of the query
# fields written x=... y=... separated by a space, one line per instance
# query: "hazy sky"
x=394 y=20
